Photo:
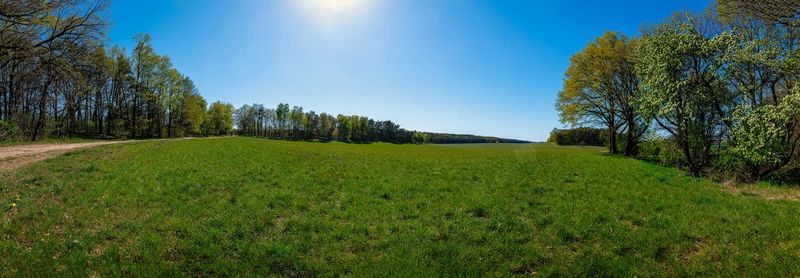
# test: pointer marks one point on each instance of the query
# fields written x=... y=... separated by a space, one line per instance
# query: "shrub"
x=419 y=138
x=579 y=136
x=727 y=165
x=663 y=151
x=9 y=131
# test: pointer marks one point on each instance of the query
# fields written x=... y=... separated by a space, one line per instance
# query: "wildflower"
x=13 y=205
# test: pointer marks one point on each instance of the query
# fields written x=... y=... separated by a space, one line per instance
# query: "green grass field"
x=242 y=206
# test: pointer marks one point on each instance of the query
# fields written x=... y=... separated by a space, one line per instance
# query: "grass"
x=244 y=206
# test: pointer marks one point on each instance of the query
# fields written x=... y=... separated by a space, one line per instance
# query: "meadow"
x=247 y=206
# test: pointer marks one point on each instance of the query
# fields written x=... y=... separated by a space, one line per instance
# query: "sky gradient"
x=456 y=66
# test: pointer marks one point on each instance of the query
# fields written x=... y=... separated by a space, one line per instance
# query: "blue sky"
x=458 y=66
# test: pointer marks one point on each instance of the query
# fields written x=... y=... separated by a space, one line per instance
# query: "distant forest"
x=294 y=123
x=446 y=138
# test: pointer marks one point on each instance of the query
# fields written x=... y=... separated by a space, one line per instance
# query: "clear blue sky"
x=458 y=66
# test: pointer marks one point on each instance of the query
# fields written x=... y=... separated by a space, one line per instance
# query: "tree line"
x=448 y=138
x=59 y=79
x=285 y=122
x=717 y=90
x=294 y=123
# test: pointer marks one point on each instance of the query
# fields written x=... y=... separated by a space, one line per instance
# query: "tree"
x=296 y=119
x=762 y=72
x=282 y=117
x=760 y=134
x=220 y=119
x=784 y=12
x=683 y=88
x=194 y=111
x=419 y=138
x=312 y=125
x=627 y=91
x=342 y=128
x=326 y=126
x=600 y=87
x=244 y=119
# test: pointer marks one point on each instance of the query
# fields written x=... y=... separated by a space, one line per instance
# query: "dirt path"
x=14 y=157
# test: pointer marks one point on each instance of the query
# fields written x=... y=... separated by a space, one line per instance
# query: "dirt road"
x=14 y=157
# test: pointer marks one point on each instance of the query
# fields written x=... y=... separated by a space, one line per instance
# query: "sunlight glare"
x=329 y=12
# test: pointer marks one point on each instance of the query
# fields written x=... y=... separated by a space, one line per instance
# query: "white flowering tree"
x=682 y=86
x=762 y=72
x=763 y=135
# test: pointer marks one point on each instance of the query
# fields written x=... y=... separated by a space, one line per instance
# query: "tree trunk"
x=694 y=167
x=134 y=115
x=630 y=143
x=169 y=126
x=42 y=111
x=612 y=140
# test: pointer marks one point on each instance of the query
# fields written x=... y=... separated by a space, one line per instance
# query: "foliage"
x=193 y=113
x=784 y=12
x=8 y=131
x=419 y=138
x=683 y=89
x=760 y=134
x=219 y=120
x=284 y=123
x=664 y=151
x=579 y=136
x=599 y=88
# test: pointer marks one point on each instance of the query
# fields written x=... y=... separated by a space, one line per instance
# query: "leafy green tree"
x=312 y=125
x=343 y=128
x=144 y=60
x=282 y=116
x=296 y=118
x=326 y=126
x=783 y=12
x=600 y=87
x=194 y=109
x=119 y=123
x=419 y=138
x=220 y=119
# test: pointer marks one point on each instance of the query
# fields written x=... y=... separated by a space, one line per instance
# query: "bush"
x=9 y=132
x=579 y=136
x=419 y=138
x=662 y=151
x=727 y=165
x=787 y=175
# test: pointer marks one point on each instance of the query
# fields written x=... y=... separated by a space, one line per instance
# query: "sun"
x=332 y=11
x=336 y=5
